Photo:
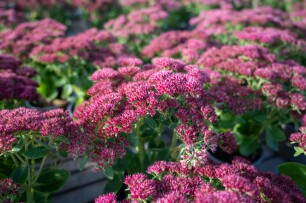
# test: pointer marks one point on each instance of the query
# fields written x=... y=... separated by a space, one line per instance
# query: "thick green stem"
x=14 y=160
x=20 y=158
x=33 y=169
x=29 y=163
x=40 y=169
x=141 y=154
x=173 y=143
x=140 y=148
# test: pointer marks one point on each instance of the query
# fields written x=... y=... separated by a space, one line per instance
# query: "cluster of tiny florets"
x=236 y=182
x=9 y=190
x=94 y=45
x=120 y=98
x=15 y=80
x=48 y=123
x=258 y=63
x=21 y=40
x=142 y=21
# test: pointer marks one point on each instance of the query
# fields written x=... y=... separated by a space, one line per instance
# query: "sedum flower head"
x=211 y=182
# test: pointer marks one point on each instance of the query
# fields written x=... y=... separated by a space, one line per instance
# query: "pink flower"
x=239 y=183
x=9 y=189
x=107 y=198
x=140 y=187
x=134 y=23
x=228 y=142
x=50 y=123
x=26 y=36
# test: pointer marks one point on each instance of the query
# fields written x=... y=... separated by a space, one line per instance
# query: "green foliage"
x=36 y=152
x=274 y=134
x=67 y=81
x=109 y=172
x=51 y=180
x=299 y=151
x=115 y=184
x=297 y=172
x=20 y=174
x=20 y=163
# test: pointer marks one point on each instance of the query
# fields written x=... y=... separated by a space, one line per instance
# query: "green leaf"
x=297 y=172
x=163 y=154
x=181 y=146
x=63 y=139
x=20 y=174
x=51 y=180
x=67 y=91
x=274 y=135
x=249 y=145
x=52 y=96
x=150 y=121
x=63 y=153
x=42 y=197
x=227 y=124
x=173 y=125
x=2 y=176
x=109 y=172
x=132 y=138
x=163 y=97
x=6 y=166
x=261 y=118
x=18 y=147
x=83 y=162
x=122 y=164
x=272 y=143
x=60 y=82
x=115 y=184
x=298 y=151
x=36 y=153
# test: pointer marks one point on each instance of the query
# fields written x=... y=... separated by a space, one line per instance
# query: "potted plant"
x=130 y=108
x=33 y=138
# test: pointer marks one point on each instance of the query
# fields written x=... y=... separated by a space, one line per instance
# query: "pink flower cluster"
x=228 y=92
x=49 y=123
x=216 y=21
x=92 y=6
x=26 y=36
x=15 y=81
x=11 y=17
x=267 y=35
x=298 y=15
x=253 y=61
x=9 y=191
x=94 y=45
x=209 y=183
x=168 y=5
x=142 y=21
x=187 y=44
x=124 y=96
x=37 y=3
x=300 y=137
